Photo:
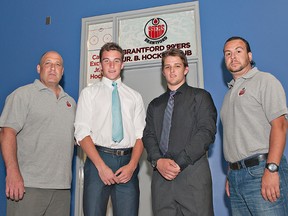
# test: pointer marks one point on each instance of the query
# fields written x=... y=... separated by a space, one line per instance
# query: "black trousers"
x=189 y=194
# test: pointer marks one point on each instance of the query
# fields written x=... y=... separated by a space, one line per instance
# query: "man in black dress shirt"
x=181 y=181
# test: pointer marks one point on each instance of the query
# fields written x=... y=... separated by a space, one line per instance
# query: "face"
x=111 y=64
x=51 y=69
x=174 y=72
x=237 y=58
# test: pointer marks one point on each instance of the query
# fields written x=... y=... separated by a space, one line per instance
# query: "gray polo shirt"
x=44 y=126
x=249 y=106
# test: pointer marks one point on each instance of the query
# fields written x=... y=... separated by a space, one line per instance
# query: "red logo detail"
x=242 y=91
x=68 y=104
x=155 y=28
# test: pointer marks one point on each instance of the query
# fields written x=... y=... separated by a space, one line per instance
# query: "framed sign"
x=144 y=35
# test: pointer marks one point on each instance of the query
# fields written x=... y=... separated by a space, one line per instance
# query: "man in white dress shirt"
x=111 y=168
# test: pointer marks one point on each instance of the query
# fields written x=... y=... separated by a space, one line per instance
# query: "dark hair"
x=253 y=63
x=111 y=46
x=174 y=52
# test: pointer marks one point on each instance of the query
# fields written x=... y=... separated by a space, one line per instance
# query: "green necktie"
x=117 y=125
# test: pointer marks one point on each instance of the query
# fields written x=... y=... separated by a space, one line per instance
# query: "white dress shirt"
x=94 y=116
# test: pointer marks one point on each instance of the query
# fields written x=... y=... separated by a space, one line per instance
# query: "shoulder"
x=264 y=75
x=24 y=91
x=159 y=100
x=198 y=92
x=93 y=89
x=131 y=91
x=267 y=79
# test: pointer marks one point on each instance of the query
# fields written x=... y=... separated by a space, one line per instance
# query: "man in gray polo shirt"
x=37 y=143
x=254 y=135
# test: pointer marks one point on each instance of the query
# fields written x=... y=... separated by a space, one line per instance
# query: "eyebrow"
x=239 y=47
x=111 y=59
x=177 y=63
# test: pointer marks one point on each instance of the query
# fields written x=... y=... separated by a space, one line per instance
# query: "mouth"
x=111 y=71
x=233 y=64
x=172 y=76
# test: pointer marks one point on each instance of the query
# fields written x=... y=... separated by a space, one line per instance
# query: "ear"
x=122 y=65
x=250 y=56
x=186 y=71
x=100 y=67
x=38 y=68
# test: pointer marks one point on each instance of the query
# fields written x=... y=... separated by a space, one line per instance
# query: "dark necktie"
x=117 y=126
x=167 y=124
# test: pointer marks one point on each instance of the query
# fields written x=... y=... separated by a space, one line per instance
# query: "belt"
x=118 y=152
x=254 y=161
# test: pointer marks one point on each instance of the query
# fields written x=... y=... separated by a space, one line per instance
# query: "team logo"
x=155 y=31
x=68 y=104
x=242 y=91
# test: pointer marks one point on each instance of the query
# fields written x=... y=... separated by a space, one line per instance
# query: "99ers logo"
x=155 y=28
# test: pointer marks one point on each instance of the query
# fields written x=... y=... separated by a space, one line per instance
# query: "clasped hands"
x=168 y=168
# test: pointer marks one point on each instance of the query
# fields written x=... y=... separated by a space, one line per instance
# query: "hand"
x=107 y=176
x=14 y=185
x=227 y=188
x=168 y=168
x=125 y=173
x=270 y=189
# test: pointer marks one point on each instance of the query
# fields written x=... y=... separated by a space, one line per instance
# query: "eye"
x=105 y=61
x=117 y=61
x=227 y=54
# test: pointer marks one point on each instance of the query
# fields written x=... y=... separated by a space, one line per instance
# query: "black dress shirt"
x=193 y=126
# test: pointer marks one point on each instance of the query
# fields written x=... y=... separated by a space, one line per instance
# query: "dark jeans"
x=125 y=197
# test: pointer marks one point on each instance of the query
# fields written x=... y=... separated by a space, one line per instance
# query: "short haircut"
x=174 y=52
x=239 y=38
x=111 y=46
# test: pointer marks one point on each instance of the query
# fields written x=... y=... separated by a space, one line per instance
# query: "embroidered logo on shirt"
x=68 y=104
x=242 y=91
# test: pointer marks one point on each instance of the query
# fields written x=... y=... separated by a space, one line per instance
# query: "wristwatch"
x=272 y=167
x=154 y=164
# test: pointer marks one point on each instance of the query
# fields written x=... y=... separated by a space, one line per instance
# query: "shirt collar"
x=40 y=86
x=109 y=82
x=248 y=75
x=180 y=90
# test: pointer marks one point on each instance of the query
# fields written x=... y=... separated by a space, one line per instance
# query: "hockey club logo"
x=155 y=31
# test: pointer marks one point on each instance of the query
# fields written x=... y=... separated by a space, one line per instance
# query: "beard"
x=238 y=67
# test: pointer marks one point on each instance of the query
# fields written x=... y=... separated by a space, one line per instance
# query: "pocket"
x=257 y=171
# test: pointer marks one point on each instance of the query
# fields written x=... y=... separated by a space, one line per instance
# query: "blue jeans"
x=125 y=197
x=245 y=192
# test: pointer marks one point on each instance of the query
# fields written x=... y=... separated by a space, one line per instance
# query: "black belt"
x=254 y=161
x=118 y=152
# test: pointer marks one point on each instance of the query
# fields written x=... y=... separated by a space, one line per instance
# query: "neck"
x=239 y=74
x=175 y=87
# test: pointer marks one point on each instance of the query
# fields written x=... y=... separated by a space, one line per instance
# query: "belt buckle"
x=238 y=165
x=119 y=152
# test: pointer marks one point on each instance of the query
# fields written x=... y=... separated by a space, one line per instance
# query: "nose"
x=233 y=55
x=52 y=66
x=111 y=64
